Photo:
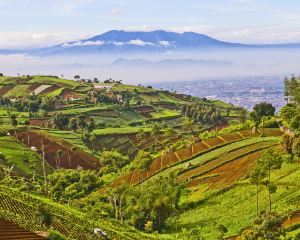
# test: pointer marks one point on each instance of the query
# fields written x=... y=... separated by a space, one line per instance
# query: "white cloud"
x=165 y=43
x=117 y=11
x=86 y=43
x=118 y=43
x=10 y=40
x=140 y=42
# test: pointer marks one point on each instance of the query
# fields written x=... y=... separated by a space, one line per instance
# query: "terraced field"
x=9 y=230
x=215 y=151
x=21 y=209
x=69 y=158
x=209 y=164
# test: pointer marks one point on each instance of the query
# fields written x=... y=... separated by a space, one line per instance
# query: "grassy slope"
x=236 y=208
x=64 y=215
x=15 y=153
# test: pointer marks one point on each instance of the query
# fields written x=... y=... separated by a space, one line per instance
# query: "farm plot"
x=5 y=89
x=199 y=147
x=9 y=230
x=21 y=208
x=69 y=158
x=211 y=142
x=145 y=111
x=209 y=165
x=33 y=87
x=225 y=175
x=17 y=91
x=213 y=154
x=231 y=137
x=40 y=89
x=17 y=155
x=185 y=156
x=124 y=130
x=169 y=159
x=49 y=90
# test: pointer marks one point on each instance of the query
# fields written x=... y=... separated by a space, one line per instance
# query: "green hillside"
x=142 y=163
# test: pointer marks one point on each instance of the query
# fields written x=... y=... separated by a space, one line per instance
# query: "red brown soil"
x=231 y=137
x=213 y=141
x=5 y=89
x=199 y=147
x=228 y=173
x=295 y=218
x=161 y=163
x=9 y=230
x=33 y=87
x=220 y=127
x=214 y=163
x=77 y=159
x=169 y=159
x=155 y=166
x=43 y=122
x=184 y=153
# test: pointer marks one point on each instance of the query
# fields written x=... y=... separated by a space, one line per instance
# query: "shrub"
x=54 y=235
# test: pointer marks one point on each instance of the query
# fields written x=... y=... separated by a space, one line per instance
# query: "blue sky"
x=35 y=23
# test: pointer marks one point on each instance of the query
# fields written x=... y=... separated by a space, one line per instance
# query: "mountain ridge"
x=118 y=41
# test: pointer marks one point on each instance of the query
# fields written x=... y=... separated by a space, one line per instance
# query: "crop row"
x=64 y=220
x=228 y=173
x=180 y=156
x=209 y=165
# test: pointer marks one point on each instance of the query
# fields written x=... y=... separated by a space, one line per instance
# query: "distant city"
x=240 y=91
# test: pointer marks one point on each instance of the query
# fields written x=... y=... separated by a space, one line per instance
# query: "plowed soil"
x=77 y=158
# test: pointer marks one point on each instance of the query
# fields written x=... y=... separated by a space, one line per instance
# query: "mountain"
x=122 y=41
x=154 y=41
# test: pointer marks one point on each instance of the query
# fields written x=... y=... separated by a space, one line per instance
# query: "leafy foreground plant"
x=267 y=226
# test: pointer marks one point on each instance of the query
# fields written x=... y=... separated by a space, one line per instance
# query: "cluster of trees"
x=292 y=89
x=261 y=174
x=102 y=97
x=31 y=104
x=146 y=208
x=202 y=114
x=62 y=121
x=112 y=161
x=267 y=226
x=291 y=145
x=65 y=185
x=261 y=113
x=291 y=116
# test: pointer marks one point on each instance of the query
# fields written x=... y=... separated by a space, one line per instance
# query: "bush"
x=54 y=235
x=271 y=123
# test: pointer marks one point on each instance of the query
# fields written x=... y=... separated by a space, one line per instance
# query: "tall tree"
x=270 y=161
x=261 y=112
x=256 y=177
